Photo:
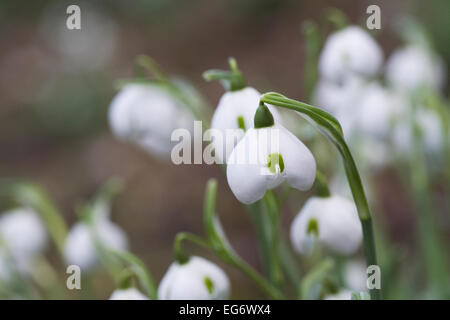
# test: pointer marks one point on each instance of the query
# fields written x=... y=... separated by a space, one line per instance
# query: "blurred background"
x=56 y=86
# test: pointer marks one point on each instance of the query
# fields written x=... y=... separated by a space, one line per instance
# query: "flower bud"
x=332 y=221
x=197 y=279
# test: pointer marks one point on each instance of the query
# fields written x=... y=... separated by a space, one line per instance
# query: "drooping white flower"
x=332 y=221
x=413 y=67
x=197 y=279
x=147 y=114
x=80 y=246
x=128 y=294
x=266 y=157
x=23 y=233
x=355 y=275
x=350 y=51
x=235 y=111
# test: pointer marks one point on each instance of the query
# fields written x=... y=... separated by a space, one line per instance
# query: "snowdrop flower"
x=235 y=111
x=23 y=233
x=413 y=67
x=429 y=124
x=128 y=294
x=332 y=221
x=147 y=115
x=350 y=51
x=80 y=248
x=268 y=155
x=197 y=279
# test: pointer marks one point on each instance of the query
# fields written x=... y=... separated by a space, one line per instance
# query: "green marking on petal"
x=209 y=284
x=274 y=160
x=313 y=227
x=241 y=122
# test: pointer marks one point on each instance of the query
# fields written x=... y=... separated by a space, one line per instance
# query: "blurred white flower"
x=413 y=67
x=375 y=111
x=24 y=235
x=128 y=294
x=197 y=279
x=429 y=124
x=80 y=246
x=343 y=294
x=236 y=110
x=350 y=51
x=147 y=115
x=332 y=221
x=266 y=157
x=355 y=275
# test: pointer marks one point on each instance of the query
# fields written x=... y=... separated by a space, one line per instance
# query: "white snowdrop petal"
x=79 y=248
x=198 y=279
x=412 y=67
x=339 y=228
x=128 y=294
x=300 y=239
x=245 y=177
x=350 y=51
x=23 y=233
x=234 y=107
x=299 y=163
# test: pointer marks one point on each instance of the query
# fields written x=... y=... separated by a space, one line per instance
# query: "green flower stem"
x=312 y=283
x=271 y=208
x=331 y=128
x=433 y=255
x=179 y=252
x=221 y=246
x=140 y=271
x=322 y=189
x=312 y=51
